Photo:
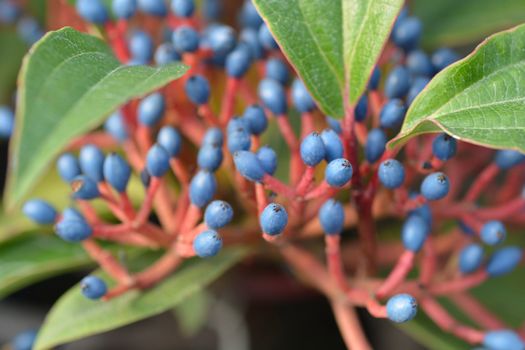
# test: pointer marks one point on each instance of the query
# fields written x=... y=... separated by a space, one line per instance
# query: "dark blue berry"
x=170 y=139
x=141 y=46
x=268 y=159
x=435 y=186
x=218 y=214
x=197 y=89
x=207 y=244
x=470 y=258
x=250 y=37
x=220 y=38
x=236 y=123
x=274 y=219
x=124 y=9
x=407 y=33
x=332 y=144
x=92 y=11
x=73 y=230
x=443 y=57
x=249 y=165
x=504 y=260
x=185 y=39
x=361 y=108
x=401 y=308
x=397 y=82
x=375 y=78
x=151 y=109
x=392 y=114
x=338 y=172
x=255 y=119
x=334 y=124
x=183 y=8
x=266 y=38
x=444 y=147
x=211 y=9
x=157 y=160
x=202 y=188
x=423 y=211
x=312 y=149
x=414 y=232
x=40 y=211
x=238 y=62
x=166 y=54
x=503 y=339
x=375 y=145
x=213 y=136
x=249 y=17
x=239 y=140
x=156 y=8
x=506 y=159
x=391 y=173
x=301 y=98
x=117 y=172
x=332 y=217
x=68 y=167
x=419 y=64
x=93 y=287
x=91 y=160
x=493 y=232
x=209 y=157
x=116 y=127
x=273 y=96
x=84 y=188
x=276 y=69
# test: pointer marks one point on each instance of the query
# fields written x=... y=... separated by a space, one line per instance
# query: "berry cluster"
x=188 y=146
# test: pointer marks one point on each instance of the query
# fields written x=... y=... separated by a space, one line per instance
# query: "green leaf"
x=34 y=257
x=479 y=99
x=193 y=313
x=452 y=22
x=13 y=50
x=69 y=82
x=74 y=317
x=333 y=45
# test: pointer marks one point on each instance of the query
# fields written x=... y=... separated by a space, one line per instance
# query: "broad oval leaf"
x=333 y=45
x=480 y=99
x=69 y=82
x=35 y=257
x=74 y=316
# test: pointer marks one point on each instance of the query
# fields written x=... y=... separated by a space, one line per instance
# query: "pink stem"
x=397 y=275
x=306 y=181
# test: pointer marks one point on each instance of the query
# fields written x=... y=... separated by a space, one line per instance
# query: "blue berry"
x=40 y=211
x=72 y=214
x=274 y=219
x=503 y=339
x=117 y=172
x=273 y=96
x=444 y=147
x=407 y=33
x=470 y=258
x=151 y=109
x=435 y=186
x=24 y=340
x=418 y=84
x=397 y=82
x=211 y=9
x=249 y=37
x=220 y=38
x=375 y=78
x=332 y=217
x=334 y=124
x=401 y=308
x=419 y=64
x=332 y=144
x=414 y=232
x=9 y=12
x=249 y=17
x=93 y=287
x=218 y=214
x=185 y=39
x=236 y=123
x=84 y=188
x=166 y=54
x=238 y=62
x=312 y=149
x=207 y=244
x=361 y=108
x=423 y=211
x=266 y=38
x=301 y=98
x=91 y=160
x=68 y=167
x=504 y=260
x=268 y=159
x=493 y=232
x=145 y=177
x=73 y=230
x=255 y=118
x=7 y=122
x=156 y=8
x=29 y=30
x=338 y=172
x=249 y=165
x=141 y=46
x=170 y=139
x=209 y=157
x=183 y=8
x=197 y=89
x=239 y=140
x=375 y=145
x=392 y=114
x=116 y=127
x=403 y=14
x=443 y=57
x=157 y=160
x=276 y=69
x=213 y=136
x=391 y=173
x=202 y=188
x=124 y=9
x=92 y=11
x=506 y=159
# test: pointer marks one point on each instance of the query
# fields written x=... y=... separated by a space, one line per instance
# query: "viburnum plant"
x=189 y=164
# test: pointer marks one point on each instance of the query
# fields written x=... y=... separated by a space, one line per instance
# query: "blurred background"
x=257 y=305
